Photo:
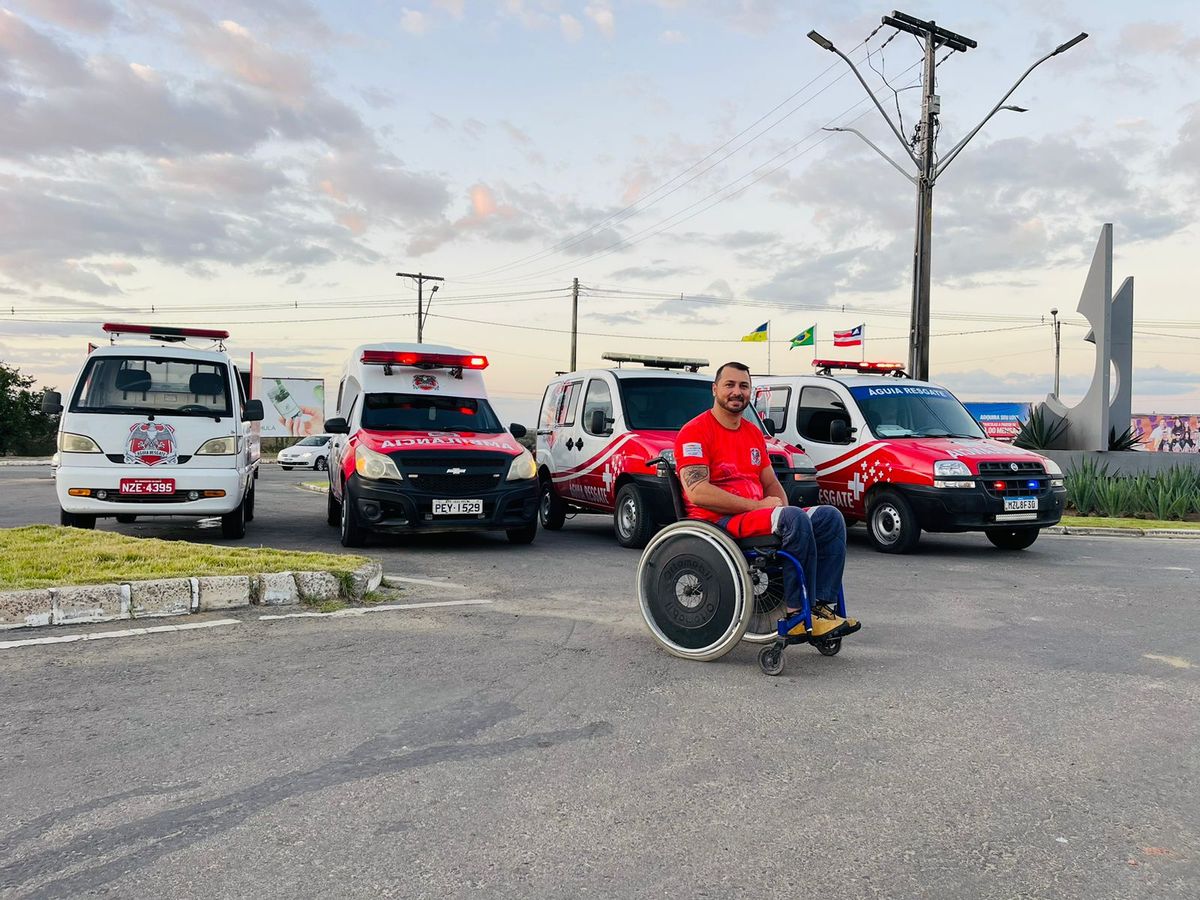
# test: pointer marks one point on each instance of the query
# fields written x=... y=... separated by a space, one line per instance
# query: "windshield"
x=421 y=412
x=663 y=404
x=314 y=441
x=145 y=385
x=909 y=410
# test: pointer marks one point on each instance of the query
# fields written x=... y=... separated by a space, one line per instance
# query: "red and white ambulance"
x=598 y=427
x=418 y=448
x=158 y=430
x=905 y=456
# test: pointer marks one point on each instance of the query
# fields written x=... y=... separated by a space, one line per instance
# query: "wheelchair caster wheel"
x=770 y=660
x=830 y=648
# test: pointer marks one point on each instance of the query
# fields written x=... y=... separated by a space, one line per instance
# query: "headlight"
x=1052 y=468
x=305 y=455
x=222 y=446
x=945 y=468
x=523 y=467
x=76 y=443
x=375 y=466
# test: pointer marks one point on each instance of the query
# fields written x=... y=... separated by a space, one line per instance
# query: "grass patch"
x=40 y=556
x=315 y=485
x=1105 y=522
x=331 y=606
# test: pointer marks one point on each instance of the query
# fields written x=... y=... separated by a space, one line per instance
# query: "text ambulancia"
x=417 y=447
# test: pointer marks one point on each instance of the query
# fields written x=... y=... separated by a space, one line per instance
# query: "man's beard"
x=725 y=405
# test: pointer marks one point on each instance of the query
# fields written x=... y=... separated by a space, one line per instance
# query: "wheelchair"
x=702 y=591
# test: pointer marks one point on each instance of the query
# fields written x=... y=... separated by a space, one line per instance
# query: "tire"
x=1012 y=538
x=694 y=590
x=333 y=510
x=552 y=509
x=249 y=502
x=233 y=524
x=286 y=468
x=631 y=518
x=126 y=518
x=352 y=533
x=321 y=465
x=769 y=605
x=770 y=660
x=523 y=535
x=76 y=520
x=892 y=526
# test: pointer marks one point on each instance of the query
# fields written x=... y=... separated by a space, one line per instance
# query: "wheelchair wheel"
x=829 y=648
x=769 y=605
x=694 y=590
x=770 y=660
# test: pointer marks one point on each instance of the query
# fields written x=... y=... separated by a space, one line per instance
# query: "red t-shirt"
x=735 y=458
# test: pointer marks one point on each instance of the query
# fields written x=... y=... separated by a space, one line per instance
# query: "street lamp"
x=1057 y=344
x=433 y=290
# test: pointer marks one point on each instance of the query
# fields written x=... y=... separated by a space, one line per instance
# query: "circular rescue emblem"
x=425 y=382
x=755 y=457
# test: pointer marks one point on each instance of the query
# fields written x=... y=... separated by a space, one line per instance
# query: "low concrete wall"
x=1127 y=462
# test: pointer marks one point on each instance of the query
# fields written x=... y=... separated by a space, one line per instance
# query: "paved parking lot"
x=1004 y=725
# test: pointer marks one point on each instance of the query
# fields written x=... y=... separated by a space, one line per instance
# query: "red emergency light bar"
x=422 y=360
x=216 y=334
x=856 y=365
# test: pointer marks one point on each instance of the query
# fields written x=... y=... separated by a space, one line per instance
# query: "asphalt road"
x=1005 y=725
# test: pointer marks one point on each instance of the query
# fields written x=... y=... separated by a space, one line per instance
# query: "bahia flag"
x=851 y=338
x=758 y=334
x=806 y=338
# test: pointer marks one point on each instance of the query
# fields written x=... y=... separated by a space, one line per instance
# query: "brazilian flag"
x=806 y=338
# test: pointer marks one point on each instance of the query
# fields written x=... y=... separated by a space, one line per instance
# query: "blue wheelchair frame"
x=806 y=608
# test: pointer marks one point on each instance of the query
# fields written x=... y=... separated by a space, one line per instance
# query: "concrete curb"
x=1177 y=533
x=87 y=604
x=313 y=488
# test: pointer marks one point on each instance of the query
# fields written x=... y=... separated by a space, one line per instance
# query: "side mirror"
x=52 y=403
x=517 y=430
x=598 y=423
x=337 y=426
x=770 y=426
x=253 y=411
x=840 y=431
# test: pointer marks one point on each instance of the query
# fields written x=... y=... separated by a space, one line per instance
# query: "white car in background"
x=310 y=453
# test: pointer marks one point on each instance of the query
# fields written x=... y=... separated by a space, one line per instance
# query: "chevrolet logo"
x=456 y=471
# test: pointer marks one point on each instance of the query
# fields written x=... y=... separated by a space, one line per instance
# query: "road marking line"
x=1177 y=662
x=125 y=632
x=363 y=610
x=430 y=581
x=1174 y=569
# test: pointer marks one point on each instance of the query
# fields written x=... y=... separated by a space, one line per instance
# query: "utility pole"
x=928 y=167
x=421 y=278
x=574 y=320
x=1057 y=345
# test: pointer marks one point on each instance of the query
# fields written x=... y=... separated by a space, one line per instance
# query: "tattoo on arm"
x=693 y=475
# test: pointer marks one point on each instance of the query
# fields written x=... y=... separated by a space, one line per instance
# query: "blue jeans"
x=816 y=537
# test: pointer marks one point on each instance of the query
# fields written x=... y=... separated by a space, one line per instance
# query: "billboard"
x=1000 y=421
x=292 y=407
x=1167 y=434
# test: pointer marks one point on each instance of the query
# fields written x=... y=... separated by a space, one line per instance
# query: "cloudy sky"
x=268 y=165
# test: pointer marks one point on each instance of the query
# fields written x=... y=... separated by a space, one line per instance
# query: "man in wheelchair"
x=728 y=480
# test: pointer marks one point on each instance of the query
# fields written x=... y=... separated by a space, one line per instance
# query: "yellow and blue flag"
x=758 y=334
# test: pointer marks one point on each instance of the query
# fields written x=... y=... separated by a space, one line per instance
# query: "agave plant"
x=1126 y=440
x=1037 y=432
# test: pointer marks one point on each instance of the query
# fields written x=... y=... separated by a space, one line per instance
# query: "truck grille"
x=454 y=485
x=1005 y=470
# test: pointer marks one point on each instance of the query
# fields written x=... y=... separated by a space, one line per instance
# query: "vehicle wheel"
x=286 y=468
x=1012 y=538
x=892 y=526
x=333 y=510
x=829 y=648
x=769 y=605
x=233 y=524
x=353 y=534
x=321 y=464
x=76 y=520
x=249 y=502
x=522 y=535
x=552 y=509
x=770 y=660
x=631 y=518
x=126 y=519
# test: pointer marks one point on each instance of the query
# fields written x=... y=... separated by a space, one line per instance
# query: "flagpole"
x=862 y=344
x=768 y=346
